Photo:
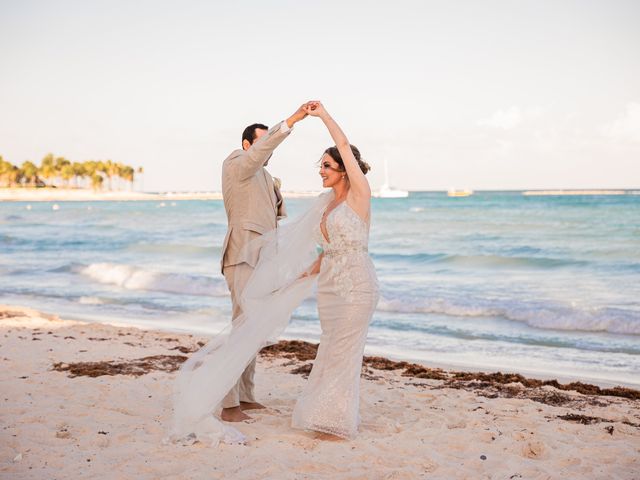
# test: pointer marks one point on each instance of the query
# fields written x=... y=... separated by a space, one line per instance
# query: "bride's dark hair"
x=335 y=154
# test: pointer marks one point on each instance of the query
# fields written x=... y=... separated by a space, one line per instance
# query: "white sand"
x=109 y=427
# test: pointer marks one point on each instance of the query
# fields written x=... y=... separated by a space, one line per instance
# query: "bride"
x=287 y=268
x=347 y=290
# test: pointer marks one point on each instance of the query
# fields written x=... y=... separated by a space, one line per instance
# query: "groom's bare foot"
x=234 y=414
x=251 y=406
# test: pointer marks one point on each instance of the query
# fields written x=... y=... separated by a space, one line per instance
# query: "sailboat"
x=388 y=192
x=452 y=192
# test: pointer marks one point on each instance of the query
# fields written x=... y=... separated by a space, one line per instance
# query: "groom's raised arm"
x=248 y=162
x=251 y=160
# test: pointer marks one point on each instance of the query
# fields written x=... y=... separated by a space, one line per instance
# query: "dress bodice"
x=346 y=264
x=348 y=233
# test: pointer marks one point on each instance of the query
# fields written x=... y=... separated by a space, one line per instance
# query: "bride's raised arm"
x=360 y=190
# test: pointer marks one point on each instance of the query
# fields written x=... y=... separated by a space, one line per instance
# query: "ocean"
x=495 y=281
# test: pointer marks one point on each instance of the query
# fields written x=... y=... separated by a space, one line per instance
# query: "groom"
x=254 y=205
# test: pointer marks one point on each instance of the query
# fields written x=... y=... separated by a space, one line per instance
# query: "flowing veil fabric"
x=273 y=291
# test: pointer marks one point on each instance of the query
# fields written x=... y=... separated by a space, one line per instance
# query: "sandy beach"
x=87 y=400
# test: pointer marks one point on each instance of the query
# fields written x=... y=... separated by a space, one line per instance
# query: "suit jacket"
x=251 y=199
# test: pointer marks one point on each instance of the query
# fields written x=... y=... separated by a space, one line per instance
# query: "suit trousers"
x=237 y=277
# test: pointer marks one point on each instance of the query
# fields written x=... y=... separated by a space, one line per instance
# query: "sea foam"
x=548 y=316
x=135 y=278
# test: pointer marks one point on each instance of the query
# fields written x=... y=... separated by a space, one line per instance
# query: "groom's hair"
x=249 y=133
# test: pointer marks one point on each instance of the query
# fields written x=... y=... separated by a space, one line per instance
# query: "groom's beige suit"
x=253 y=204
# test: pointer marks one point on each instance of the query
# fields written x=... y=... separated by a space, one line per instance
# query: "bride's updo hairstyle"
x=335 y=155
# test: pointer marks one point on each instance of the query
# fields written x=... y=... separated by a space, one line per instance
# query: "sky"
x=456 y=94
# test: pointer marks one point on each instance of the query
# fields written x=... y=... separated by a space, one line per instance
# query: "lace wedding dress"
x=347 y=297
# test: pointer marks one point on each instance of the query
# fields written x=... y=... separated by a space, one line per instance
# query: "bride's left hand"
x=315 y=108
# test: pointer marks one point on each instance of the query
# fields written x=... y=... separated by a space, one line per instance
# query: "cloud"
x=627 y=126
x=505 y=119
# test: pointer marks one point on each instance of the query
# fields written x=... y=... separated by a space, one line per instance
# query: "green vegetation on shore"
x=60 y=172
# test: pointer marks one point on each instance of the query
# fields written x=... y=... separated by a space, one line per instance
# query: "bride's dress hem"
x=329 y=430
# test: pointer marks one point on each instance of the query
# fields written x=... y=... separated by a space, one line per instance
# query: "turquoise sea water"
x=497 y=280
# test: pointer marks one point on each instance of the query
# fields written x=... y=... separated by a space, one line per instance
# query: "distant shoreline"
x=86 y=195
x=579 y=192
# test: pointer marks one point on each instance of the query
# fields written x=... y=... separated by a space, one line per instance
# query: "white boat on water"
x=452 y=192
x=386 y=191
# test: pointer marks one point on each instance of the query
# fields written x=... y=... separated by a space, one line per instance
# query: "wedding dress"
x=347 y=294
x=347 y=297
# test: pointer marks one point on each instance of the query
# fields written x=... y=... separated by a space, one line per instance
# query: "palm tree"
x=127 y=173
x=103 y=168
x=47 y=168
x=6 y=172
x=90 y=167
x=30 y=173
x=119 y=173
x=13 y=176
x=79 y=172
x=66 y=173
x=4 y=168
x=110 y=170
x=96 y=181
x=141 y=173
x=60 y=164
